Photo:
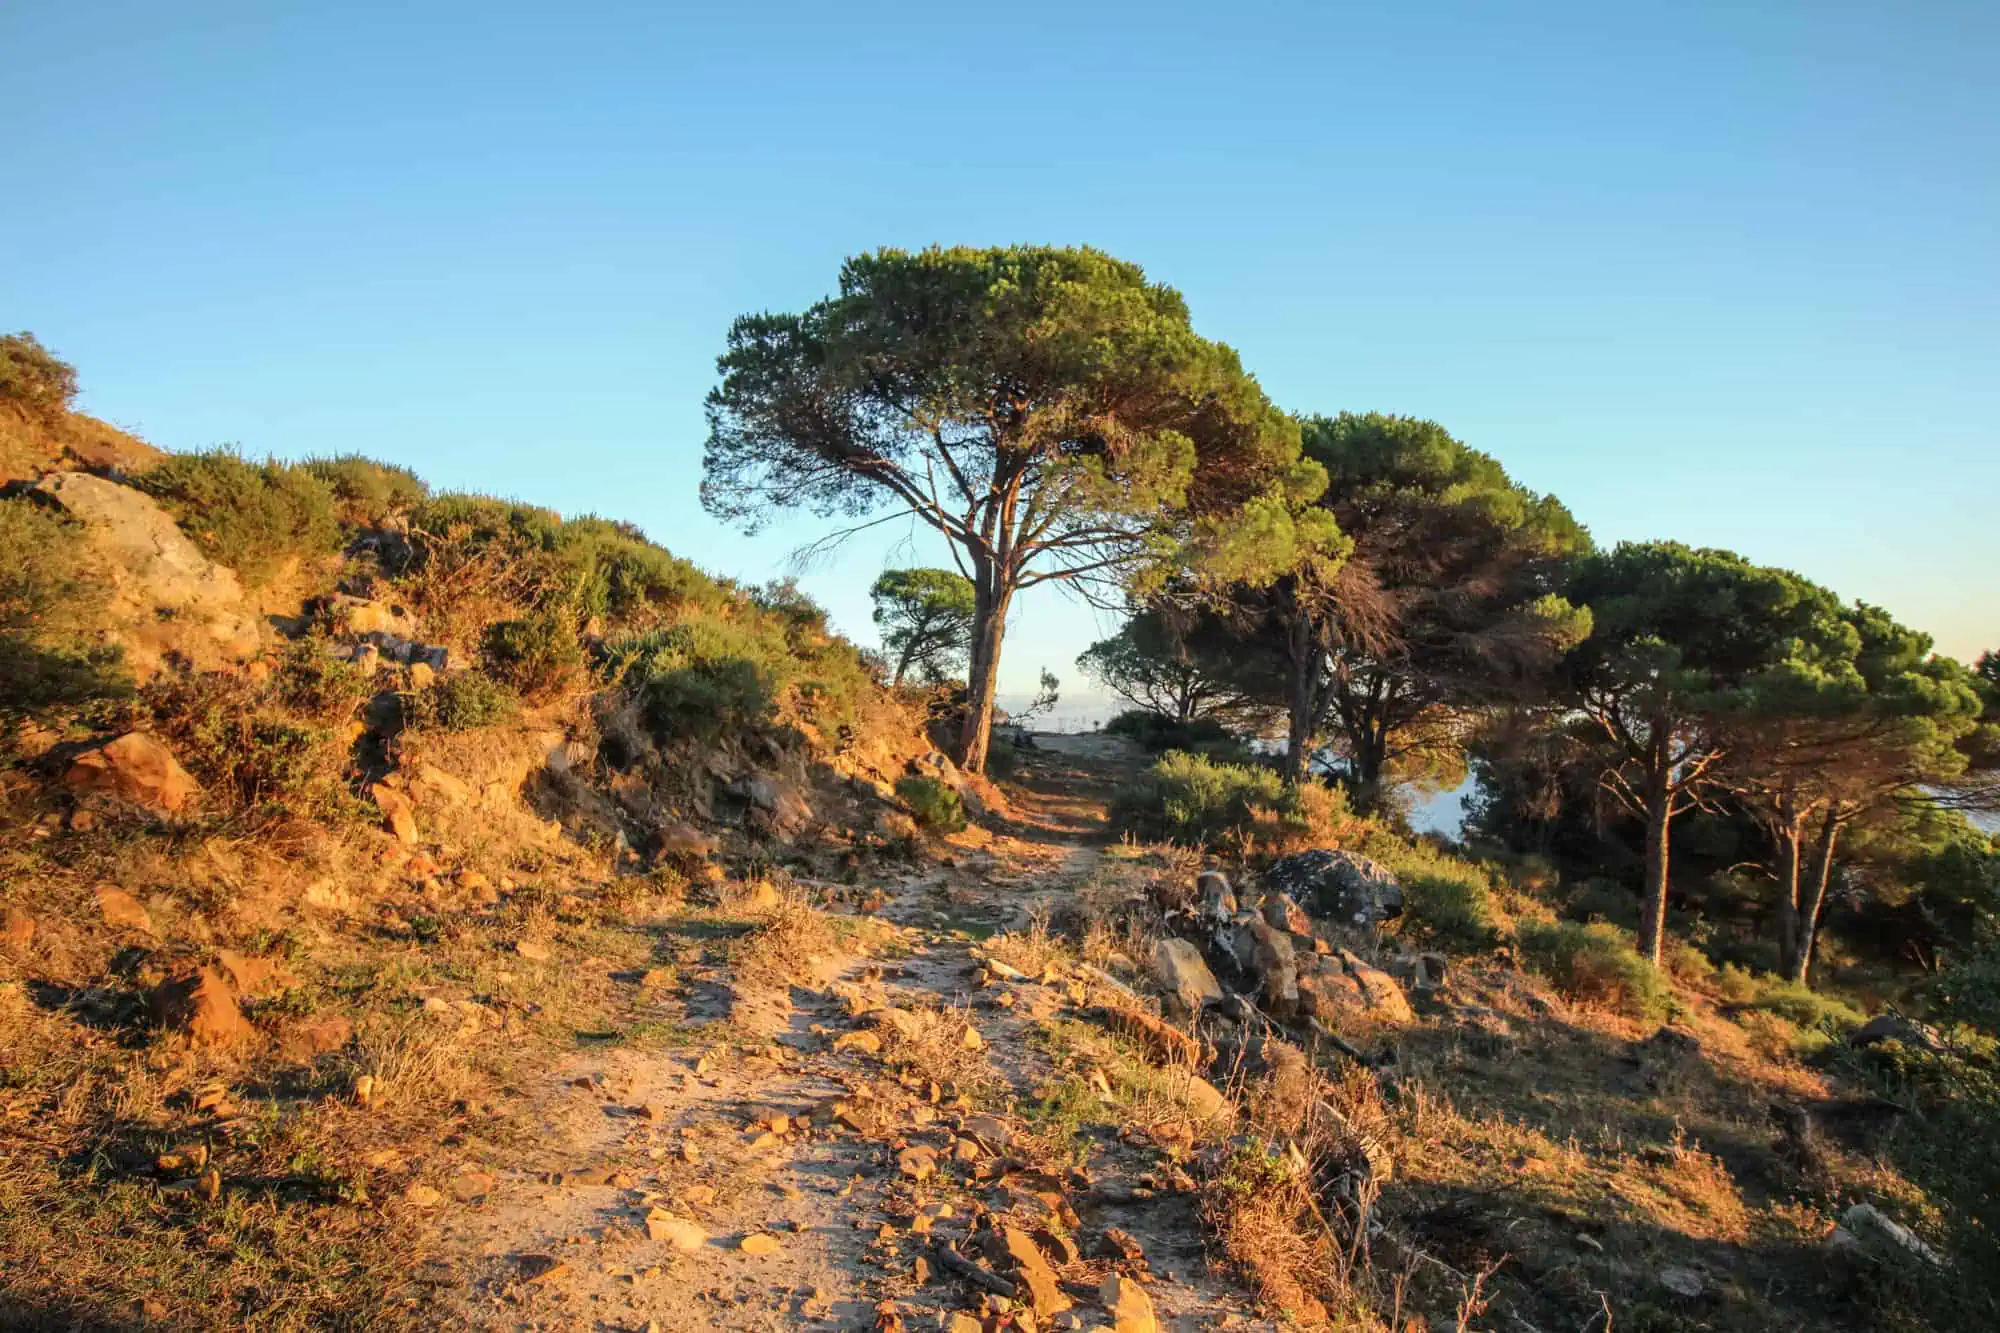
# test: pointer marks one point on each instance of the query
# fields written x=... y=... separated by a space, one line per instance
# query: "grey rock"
x=1894 y=1027
x=1865 y=1230
x=1339 y=885
x=167 y=601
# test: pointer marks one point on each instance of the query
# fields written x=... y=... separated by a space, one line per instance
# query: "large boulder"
x=1894 y=1027
x=167 y=599
x=136 y=769
x=1866 y=1230
x=1341 y=886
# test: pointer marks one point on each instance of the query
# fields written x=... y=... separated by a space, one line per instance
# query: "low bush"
x=47 y=602
x=933 y=804
x=590 y=568
x=539 y=655
x=249 y=753
x=1804 y=1007
x=249 y=516
x=369 y=492
x=1602 y=900
x=34 y=377
x=461 y=701
x=312 y=680
x=1194 y=800
x=1446 y=902
x=1157 y=733
x=1597 y=965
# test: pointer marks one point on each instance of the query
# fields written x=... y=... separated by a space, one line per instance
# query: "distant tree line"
x=1372 y=601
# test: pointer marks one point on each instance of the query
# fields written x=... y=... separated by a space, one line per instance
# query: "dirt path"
x=784 y=1147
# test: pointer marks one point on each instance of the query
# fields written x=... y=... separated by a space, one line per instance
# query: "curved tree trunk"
x=989 y=626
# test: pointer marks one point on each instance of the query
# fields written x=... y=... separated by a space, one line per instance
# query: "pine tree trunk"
x=989 y=625
x=1659 y=831
x=1371 y=756
x=1303 y=680
x=1799 y=967
x=1791 y=838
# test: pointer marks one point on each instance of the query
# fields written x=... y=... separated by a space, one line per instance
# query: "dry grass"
x=785 y=943
x=932 y=1044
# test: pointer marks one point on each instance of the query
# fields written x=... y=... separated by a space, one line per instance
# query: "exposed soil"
x=617 y=1135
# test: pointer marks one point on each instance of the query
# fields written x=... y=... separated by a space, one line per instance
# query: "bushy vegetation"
x=1446 y=902
x=540 y=655
x=312 y=680
x=460 y=701
x=47 y=602
x=936 y=806
x=368 y=491
x=252 y=754
x=250 y=516
x=33 y=377
x=1597 y=965
x=590 y=568
x=1157 y=733
x=1803 y=1007
x=1194 y=800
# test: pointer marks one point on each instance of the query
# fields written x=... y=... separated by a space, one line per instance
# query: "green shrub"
x=1804 y=1007
x=1156 y=733
x=34 y=377
x=313 y=681
x=935 y=805
x=1735 y=984
x=701 y=680
x=1598 y=965
x=247 y=753
x=461 y=701
x=368 y=491
x=1603 y=900
x=538 y=655
x=1446 y=902
x=48 y=605
x=591 y=568
x=249 y=516
x=1689 y=964
x=1192 y=799
x=1003 y=761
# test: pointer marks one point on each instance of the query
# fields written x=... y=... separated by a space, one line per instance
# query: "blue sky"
x=1724 y=273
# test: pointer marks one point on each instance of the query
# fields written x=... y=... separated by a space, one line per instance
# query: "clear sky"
x=1719 y=272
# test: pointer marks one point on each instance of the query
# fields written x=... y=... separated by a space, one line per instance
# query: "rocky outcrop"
x=1341 y=886
x=167 y=599
x=134 y=769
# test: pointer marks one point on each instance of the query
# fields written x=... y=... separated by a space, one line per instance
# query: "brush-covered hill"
x=295 y=754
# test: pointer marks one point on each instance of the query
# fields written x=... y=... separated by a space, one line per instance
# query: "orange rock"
x=17 y=928
x=135 y=768
x=397 y=812
x=199 y=1005
x=121 y=909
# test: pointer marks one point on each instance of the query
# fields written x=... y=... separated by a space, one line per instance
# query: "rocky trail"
x=863 y=1153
